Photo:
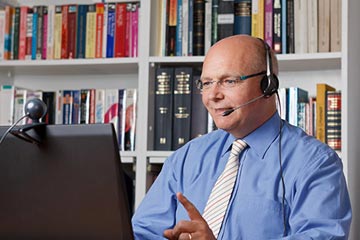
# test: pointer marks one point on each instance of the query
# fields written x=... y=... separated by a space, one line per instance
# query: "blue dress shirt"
x=317 y=204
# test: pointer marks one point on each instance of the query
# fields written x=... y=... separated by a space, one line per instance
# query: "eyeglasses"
x=228 y=82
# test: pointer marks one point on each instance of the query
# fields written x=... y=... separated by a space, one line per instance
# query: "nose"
x=214 y=93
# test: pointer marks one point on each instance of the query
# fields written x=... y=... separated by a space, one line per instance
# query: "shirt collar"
x=262 y=137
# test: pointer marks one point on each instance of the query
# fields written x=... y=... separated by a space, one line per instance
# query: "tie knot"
x=237 y=146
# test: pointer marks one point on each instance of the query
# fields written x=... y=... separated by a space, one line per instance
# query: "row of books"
x=100 y=30
x=318 y=116
x=190 y=27
x=84 y=106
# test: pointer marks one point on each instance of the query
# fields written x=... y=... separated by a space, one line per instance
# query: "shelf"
x=158 y=157
x=128 y=156
x=72 y=66
x=287 y=62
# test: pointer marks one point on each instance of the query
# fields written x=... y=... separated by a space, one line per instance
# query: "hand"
x=196 y=228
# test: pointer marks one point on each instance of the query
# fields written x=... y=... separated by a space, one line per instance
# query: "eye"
x=230 y=82
x=207 y=84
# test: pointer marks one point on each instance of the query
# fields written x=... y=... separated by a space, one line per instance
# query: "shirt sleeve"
x=320 y=206
x=156 y=212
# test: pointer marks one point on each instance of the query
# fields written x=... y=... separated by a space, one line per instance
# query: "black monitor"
x=70 y=186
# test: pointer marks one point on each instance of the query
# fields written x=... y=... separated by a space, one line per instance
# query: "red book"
x=120 y=29
x=72 y=18
x=45 y=33
x=64 y=32
x=29 y=27
x=100 y=7
x=134 y=30
x=22 y=32
x=92 y=106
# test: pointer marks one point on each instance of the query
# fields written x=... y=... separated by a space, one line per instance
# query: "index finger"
x=190 y=208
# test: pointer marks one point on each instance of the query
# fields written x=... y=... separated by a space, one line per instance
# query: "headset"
x=270 y=82
x=269 y=85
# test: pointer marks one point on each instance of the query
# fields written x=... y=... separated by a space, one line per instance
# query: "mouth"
x=220 y=111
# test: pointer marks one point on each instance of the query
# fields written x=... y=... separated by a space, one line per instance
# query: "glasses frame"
x=199 y=83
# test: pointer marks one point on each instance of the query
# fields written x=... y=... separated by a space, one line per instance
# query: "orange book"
x=321 y=89
x=99 y=29
x=64 y=32
x=22 y=32
x=9 y=12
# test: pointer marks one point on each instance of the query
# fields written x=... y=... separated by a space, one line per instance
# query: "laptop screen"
x=70 y=186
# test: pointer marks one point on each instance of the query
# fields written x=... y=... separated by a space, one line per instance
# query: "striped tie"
x=220 y=195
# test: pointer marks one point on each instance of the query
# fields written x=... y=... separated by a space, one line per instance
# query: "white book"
x=300 y=26
x=59 y=107
x=50 y=32
x=19 y=105
x=99 y=105
x=130 y=119
x=312 y=7
x=208 y=23
x=2 y=33
x=112 y=107
x=6 y=104
x=335 y=25
x=324 y=26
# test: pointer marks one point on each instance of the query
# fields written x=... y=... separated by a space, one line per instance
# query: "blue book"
x=110 y=31
x=67 y=102
x=283 y=25
x=76 y=107
x=34 y=33
x=81 y=31
x=190 y=27
x=242 y=17
x=179 y=29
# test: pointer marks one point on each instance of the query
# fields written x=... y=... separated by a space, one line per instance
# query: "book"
x=225 y=20
x=22 y=32
x=81 y=31
x=284 y=29
x=312 y=9
x=214 y=20
x=290 y=31
x=110 y=40
x=120 y=29
x=134 y=31
x=257 y=18
x=321 y=89
x=67 y=106
x=45 y=33
x=179 y=28
x=130 y=119
x=90 y=32
x=99 y=105
x=199 y=28
x=277 y=26
x=301 y=26
x=333 y=119
x=185 y=27
x=164 y=82
x=2 y=33
x=49 y=98
x=9 y=13
x=100 y=8
x=7 y=93
x=242 y=17
x=324 y=26
x=75 y=116
x=19 y=105
x=171 y=28
x=29 y=27
x=50 y=32
x=112 y=108
x=335 y=25
x=57 y=32
x=64 y=32
x=182 y=106
x=296 y=97
x=268 y=26
x=72 y=30
x=121 y=121
x=198 y=111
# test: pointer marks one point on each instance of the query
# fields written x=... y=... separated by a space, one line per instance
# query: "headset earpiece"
x=270 y=83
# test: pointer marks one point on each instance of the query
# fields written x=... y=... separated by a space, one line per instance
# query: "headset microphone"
x=228 y=112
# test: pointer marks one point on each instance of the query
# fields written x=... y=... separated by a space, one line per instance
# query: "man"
x=288 y=185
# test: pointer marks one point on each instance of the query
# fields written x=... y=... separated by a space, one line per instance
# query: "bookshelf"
x=339 y=69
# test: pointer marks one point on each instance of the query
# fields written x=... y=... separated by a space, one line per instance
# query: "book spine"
x=75 y=117
x=333 y=119
x=191 y=29
x=65 y=32
x=84 y=106
x=130 y=119
x=179 y=28
x=34 y=33
x=29 y=26
x=199 y=28
x=225 y=20
x=128 y=31
x=277 y=26
x=312 y=26
x=99 y=30
x=22 y=32
x=92 y=106
x=185 y=28
x=104 y=30
x=198 y=111
x=120 y=29
x=134 y=30
x=57 y=32
x=49 y=98
x=321 y=89
x=257 y=18
x=45 y=33
x=290 y=36
x=268 y=35
x=50 y=32
x=324 y=26
x=242 y=17
x=121 y=122
x=335 y=25
x=208 y=24
x=81 y=31
x=111 y=107
x=182 y=107
x=40 y=32
x=7 y=94
x=163 y=108
x=300 y=26
x=2 y=34
x=9 y=12
x=67 y=103
x=110 y=31
x=171 y=28
x=90 y=32
x=99 y=105
x=283 y=26
x=72 y=22
x=13 y=34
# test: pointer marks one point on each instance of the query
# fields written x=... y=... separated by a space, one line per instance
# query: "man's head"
x=226 y=61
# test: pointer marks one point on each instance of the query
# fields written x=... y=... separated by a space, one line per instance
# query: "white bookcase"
x=339 y=69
